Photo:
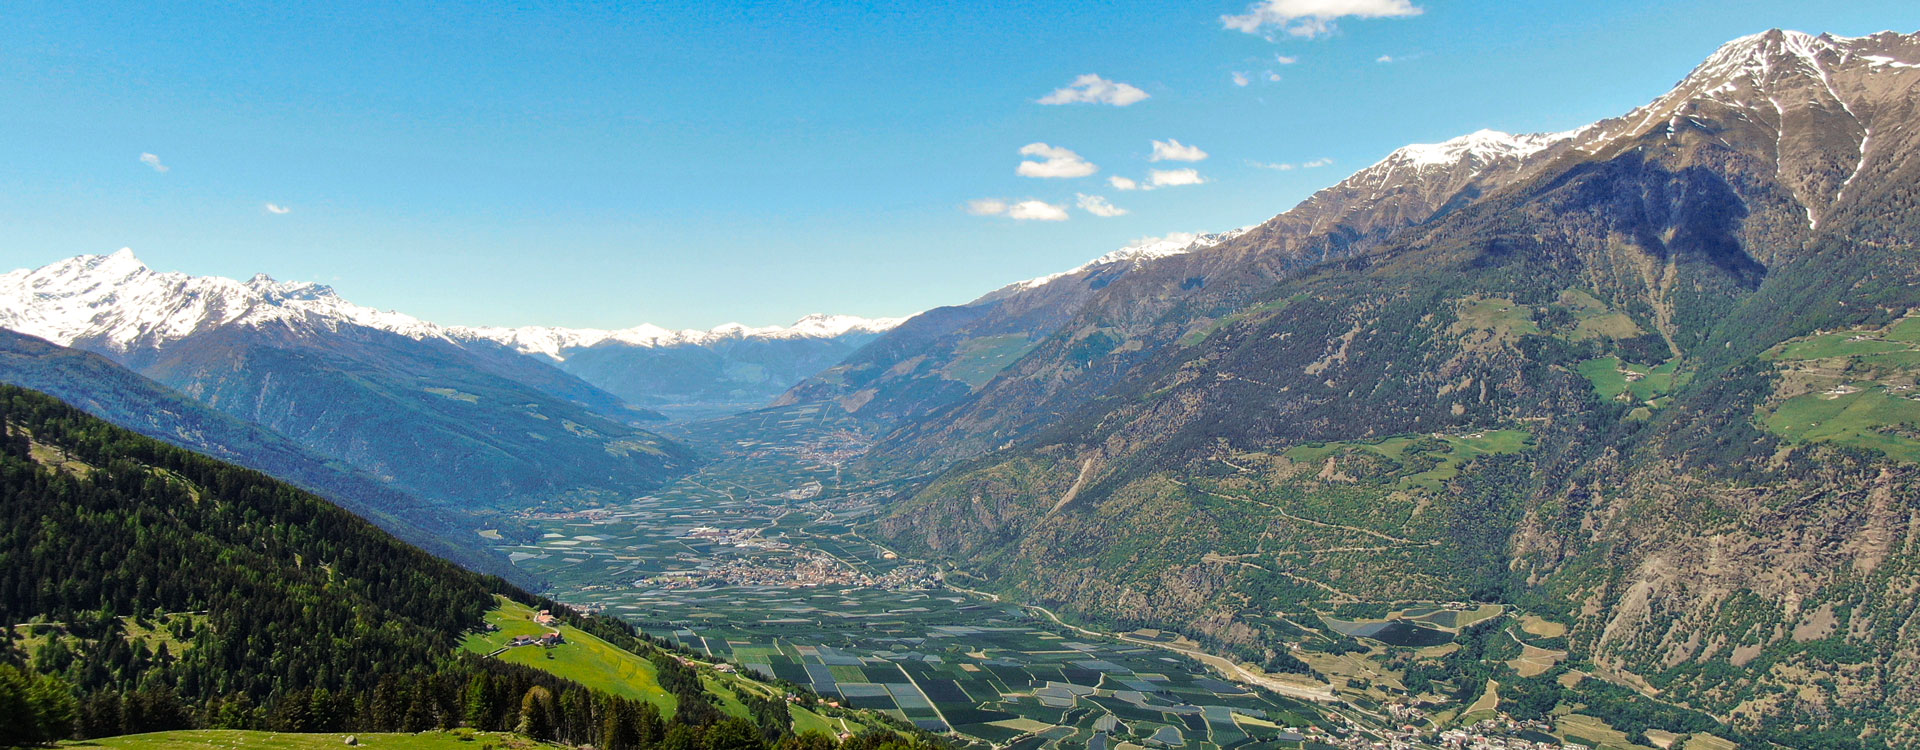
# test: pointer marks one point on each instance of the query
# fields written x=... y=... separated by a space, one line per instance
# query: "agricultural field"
x=1855 y=388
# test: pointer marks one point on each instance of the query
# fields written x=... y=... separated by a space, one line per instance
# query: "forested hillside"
x=148 y=588
x=123 y=397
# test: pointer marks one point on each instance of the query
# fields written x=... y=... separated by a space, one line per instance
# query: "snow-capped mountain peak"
x=1140 y=251
x=1477 y=146
x=117 y=303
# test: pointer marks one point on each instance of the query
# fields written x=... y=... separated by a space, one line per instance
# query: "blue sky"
x=693 y=163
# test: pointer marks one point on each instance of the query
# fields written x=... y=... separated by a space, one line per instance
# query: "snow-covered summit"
x=116 y=302
x=1140 y=251
x=1480 y=145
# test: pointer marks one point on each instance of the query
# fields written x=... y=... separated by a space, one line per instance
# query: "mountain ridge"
x=1603 y=381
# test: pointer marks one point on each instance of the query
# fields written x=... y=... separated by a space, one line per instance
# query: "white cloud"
x=1026 y=210
x=1311 y=18
x=153 y=161
x=1273 y=77
x=986 y=207
x=1285 y=60
x=1274 y=166
x=1060 y=162
x=1317 y=163
x=1098 y=206
x=1123 y=183
x=1173 y=150
x=1092 y=89
x=1383 y=59
x=1240 y=79
x=1174 y=177
x=275 y=208
x=1032 y=210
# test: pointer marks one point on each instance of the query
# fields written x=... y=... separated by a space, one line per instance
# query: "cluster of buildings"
x=808 y=568
x=743 y=538
x=551 y=638
x=805 y=568
x=1497 y=734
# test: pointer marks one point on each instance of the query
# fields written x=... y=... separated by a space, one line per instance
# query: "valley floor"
x=759 y=561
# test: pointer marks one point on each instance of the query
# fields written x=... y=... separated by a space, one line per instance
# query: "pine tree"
x=536 y=714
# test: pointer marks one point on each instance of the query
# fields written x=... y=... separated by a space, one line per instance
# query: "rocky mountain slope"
x=939 y=357
x=1652 y=378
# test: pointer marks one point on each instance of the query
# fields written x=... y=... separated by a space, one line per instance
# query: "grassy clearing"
x=583 y=658
x=1535 y=661
x=1907 y=329
x=1505 y=319
x=1484 y=612
x=1704 y=741
x=1595 y=732
x=977 y=360
x=1861 y=418
x=1458 y=451
x=1616 y=380
x=29 y=638
x=453 y=394
x=1544 y=628
x=1256 y=311
x=1842 y=344
x=1852 y=388
x=247 y=740
x=1484 y=707
x=1594 y=319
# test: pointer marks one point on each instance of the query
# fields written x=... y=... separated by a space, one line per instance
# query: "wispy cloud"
x=1311 y=18
x=1174 y=177
x=1240 y=79
x=1059 y=163
x=1273 y=77
x=1098 y=206
x=1092 y=89
x=1026 y=210
x=153 y=161
x=1158 y=178
x=1383 y=59
x=1031 y=210
x=1285 y=60
x=1318 y=163
x=1173 y=150
x=1282 y=167
x=986 y=207
x=275 y=208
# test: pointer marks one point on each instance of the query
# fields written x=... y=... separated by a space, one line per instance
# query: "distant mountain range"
x=470 y=415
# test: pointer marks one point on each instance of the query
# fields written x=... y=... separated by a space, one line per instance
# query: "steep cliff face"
x=1653 y=378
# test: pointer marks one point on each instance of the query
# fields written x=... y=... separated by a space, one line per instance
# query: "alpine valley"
x=1601 y=438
